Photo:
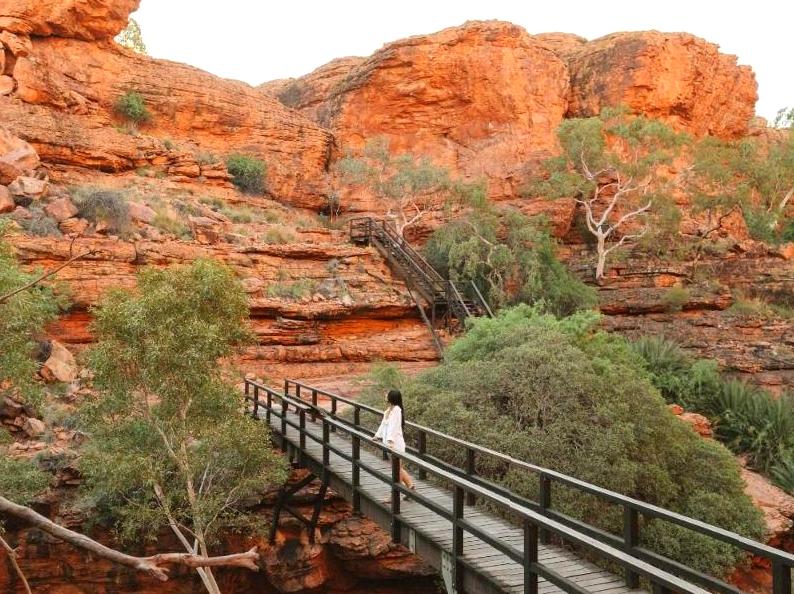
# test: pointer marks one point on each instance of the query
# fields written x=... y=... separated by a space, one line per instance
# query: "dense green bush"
x=132 y=107
x=560 y=394
x=510 y=258
x=107 y=206
x=248 y=173
x=747 y=419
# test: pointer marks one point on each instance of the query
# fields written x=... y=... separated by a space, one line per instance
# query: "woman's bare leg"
x=405 y=478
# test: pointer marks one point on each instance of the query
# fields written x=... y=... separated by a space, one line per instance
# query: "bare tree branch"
x=33 y=283
x=12 y=555
x=154 y=566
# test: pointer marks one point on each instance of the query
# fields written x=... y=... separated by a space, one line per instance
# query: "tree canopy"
x=132 y=38
x=613 y=166
x=169 y=446
x=510 y=257
x=560 y=394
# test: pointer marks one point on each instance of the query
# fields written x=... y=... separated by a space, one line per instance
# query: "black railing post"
x=457 y=537
x=298 y=391
x=269 y=401
x=470 y=472
x=659 y=589
x=284 y=411
x=356 y=472
x=631 y=539
x=326 y=440
x=286 y=387
x=781 y=578
x=255 y=412
x=544 y=500
x=314 y=405
x=333 y=411
x=422 y=446
x=530 y=557
x=247 y=393
x=302 y=437
x=395 y=498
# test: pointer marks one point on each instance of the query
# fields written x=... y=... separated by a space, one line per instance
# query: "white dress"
x=391 y=429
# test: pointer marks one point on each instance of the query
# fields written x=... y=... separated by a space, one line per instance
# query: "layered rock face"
x=82 y=19
x=675 y=77
x=480 y=99
x=485 y=99
x=63 y=90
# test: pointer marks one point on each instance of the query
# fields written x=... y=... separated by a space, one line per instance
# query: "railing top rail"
x=571 y=535
x=409 y=249
x=649 y=509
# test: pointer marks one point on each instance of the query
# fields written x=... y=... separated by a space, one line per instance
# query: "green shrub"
x=278 y=235
x=747 y=419
x=132 y=107
x=170 y=225
x=783 y=473
x=754 y=422
x=206 y=158
x=675 y=298
x=248 y=173
x=40 y=224
x=106 y=206
x=558 y=393
x=295 y=290
x=751 y=308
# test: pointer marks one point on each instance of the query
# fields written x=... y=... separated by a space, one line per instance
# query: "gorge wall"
x=483 y=99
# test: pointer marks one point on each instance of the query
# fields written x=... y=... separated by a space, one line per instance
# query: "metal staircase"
x=449 y=303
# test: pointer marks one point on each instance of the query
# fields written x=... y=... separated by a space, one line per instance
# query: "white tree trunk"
x=602 y=255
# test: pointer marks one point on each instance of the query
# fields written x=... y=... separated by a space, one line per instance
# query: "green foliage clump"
x=168 y=224
x=562 y=395
x=20 y=480
x=248 y=173
x=132 y=38
x=675 y=298
x=299 y=289
x=105 y=206
x=278 y=235
x=510 y=258
x=22 y=320
x=611 y=165
x=753 y=175
x=408 y=185
x=168 y=442
x=132 y=107
x=40 y=224
x=747 y=419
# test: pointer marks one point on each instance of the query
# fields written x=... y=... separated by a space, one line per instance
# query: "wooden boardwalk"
x=429 y=535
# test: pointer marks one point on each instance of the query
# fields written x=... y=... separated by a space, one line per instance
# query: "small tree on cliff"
x=169 y=446
x=612 y=165
x=409 y=186
x=752 y=175
x=132 y=38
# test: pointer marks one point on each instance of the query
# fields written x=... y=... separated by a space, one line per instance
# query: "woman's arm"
x=382 y=428
x=395 y=425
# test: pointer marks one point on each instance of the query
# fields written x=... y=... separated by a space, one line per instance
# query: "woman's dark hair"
x=395 y=398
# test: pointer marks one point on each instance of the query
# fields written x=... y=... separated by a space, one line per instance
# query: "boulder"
x=677 y=77
x=34 y=427
x=28 y=188
x=73 y=226
x=60 y=366
x=61 y=209
x=6 y=202
x=204 y=230
x=18 y=45
x=83 y=19
x=7 y=85
x=17 y=157
x=141 y=213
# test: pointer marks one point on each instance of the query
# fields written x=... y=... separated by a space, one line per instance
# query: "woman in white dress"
x=391 y=431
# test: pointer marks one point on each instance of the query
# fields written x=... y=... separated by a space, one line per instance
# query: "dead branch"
x=33 y=283
x=12 y=555
x=153 y=566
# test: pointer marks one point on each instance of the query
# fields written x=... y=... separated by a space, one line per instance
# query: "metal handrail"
x=781 y=561
x=532 y=522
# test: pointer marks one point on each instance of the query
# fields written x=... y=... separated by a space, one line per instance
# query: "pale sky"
x=260 y=40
